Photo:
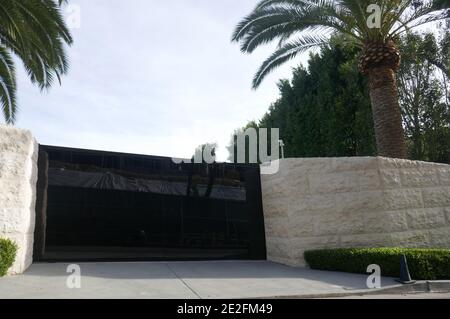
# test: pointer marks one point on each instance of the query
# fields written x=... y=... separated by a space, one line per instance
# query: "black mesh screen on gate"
x=115 y=206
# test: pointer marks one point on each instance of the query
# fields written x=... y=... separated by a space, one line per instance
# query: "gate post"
x=41 y=206
x=18 y=175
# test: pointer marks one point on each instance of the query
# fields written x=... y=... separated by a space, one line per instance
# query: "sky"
x=151 y=77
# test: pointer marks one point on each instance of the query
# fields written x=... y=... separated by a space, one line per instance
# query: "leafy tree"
x=325 y=110
x=35 y=32
x=374 y=26
x=232 y=147
x=208 y=149
x=424 y=96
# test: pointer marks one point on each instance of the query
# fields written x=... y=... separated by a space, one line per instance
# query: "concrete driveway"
x=183 y=280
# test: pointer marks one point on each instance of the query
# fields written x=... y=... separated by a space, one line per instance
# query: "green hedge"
x=8 y=250
x=424 y=264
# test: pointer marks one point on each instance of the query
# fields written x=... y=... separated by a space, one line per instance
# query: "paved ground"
x=186 y=280
x=403 y=296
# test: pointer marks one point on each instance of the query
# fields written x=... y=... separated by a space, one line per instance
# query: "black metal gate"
x=95 y=205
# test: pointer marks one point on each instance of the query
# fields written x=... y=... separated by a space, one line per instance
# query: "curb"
x=439 y=286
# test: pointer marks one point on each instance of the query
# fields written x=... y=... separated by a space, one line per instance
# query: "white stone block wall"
x=18 y=177
x=354 y=202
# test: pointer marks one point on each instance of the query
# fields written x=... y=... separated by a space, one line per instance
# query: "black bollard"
x=405 y=276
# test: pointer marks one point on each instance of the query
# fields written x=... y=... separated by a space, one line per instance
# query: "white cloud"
x=152 y=77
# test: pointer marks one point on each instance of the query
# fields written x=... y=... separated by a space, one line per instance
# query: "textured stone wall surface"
x=18 y=176
x=354 y=202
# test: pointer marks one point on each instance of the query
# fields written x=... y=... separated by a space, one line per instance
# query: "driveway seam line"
x=184 y=282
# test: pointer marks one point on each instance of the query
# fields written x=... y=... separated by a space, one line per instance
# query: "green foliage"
x=35 y=32
x=325 y=110
x=208 y=149
x=8 y=250
x=298 y=25
x=424 y=264
x=424 y=94
x=232 y=147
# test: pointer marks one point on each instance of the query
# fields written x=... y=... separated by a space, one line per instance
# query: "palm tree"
x=300 y=25
x=35 y=32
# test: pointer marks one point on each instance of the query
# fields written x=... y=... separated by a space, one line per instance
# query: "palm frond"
x=7 y=86
x=36 y=33
x=297 y=22
x=285 y=53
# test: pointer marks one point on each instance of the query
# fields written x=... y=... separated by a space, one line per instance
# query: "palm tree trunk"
x=386 y=113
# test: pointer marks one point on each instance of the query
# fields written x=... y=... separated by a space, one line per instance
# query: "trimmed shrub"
x=424 y=264
x=8 y=250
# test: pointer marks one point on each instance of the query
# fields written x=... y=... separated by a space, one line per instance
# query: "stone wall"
x=18 y=175
x=354 y=202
